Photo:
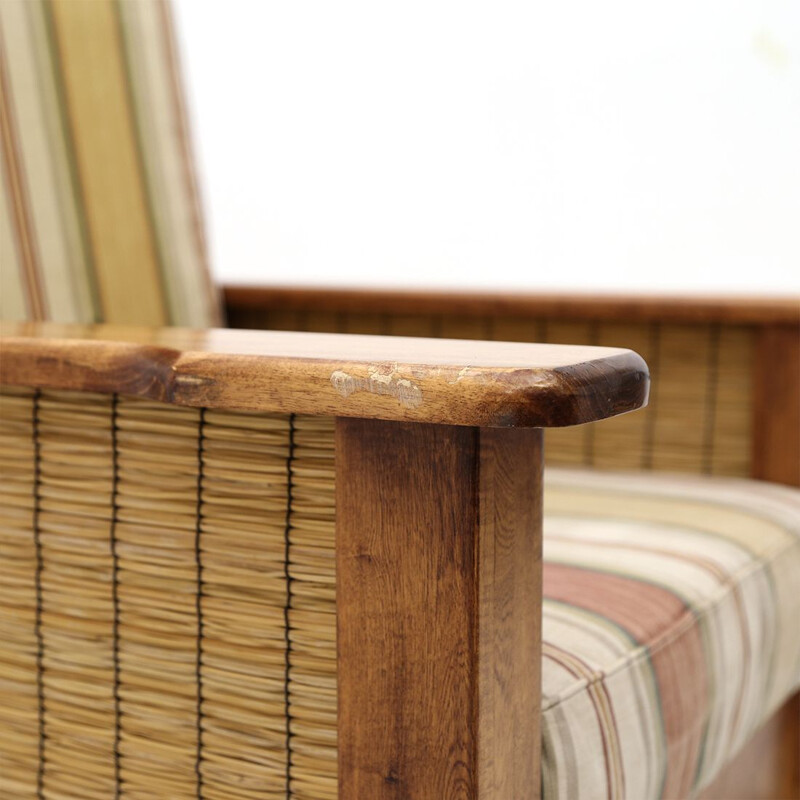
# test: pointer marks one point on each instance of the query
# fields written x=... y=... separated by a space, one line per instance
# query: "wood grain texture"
x=768 y=767
x=486 y=384
x=631 y=308
x=776 y=413
x=439 y=602
x=510 y=620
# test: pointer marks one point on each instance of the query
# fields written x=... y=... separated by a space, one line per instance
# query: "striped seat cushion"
x=670 y=627
x=99 y=219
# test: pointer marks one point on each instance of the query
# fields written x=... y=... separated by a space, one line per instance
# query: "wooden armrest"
x=488 y=384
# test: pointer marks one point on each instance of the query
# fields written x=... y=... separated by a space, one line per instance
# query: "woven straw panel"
x=699 y=417
x=167 y=606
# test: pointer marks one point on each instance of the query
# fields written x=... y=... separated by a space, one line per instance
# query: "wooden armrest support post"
x=438 y=523
x=439 y=622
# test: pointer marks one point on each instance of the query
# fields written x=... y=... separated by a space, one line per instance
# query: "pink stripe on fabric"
x=661 y=622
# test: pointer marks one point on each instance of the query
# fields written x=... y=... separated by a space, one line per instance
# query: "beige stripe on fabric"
x=147 y=49
x=111 y=177
x=15 y=184
x=12 y=292
x=44 y=163
x=759 y=535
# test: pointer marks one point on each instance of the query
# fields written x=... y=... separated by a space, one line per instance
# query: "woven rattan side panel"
x=167 y=609
x=700 y=413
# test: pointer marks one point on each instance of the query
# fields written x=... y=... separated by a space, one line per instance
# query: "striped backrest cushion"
x=99 y=219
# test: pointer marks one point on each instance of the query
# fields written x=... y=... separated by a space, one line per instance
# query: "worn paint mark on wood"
x=383 y=380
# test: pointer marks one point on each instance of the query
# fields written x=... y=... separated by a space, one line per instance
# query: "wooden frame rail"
x=439 y=475
x=573 y=306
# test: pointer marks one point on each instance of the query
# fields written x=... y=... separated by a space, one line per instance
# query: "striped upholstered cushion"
x=98 y=210
x=670 y=627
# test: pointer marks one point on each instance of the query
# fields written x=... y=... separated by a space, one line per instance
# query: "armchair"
x=240 y=565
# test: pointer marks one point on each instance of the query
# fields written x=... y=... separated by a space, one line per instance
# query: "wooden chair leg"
x=439 y=611
x=768 y=768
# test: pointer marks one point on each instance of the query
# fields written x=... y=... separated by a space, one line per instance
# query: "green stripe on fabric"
x=104 y=138
x=135 y=112
x=79 y=201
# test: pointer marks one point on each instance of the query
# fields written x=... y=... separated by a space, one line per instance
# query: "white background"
x=531 y=145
